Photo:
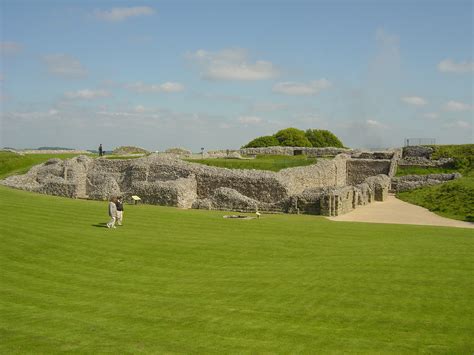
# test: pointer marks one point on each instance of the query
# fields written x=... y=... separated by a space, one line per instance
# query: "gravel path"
x=397 y=211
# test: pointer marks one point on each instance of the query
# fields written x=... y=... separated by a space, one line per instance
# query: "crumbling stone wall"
x=309 y=151
x=178 y=193
x=325 y=173
x=321 y=188
x=420 y=156
x=411 y=182
x=360 y=169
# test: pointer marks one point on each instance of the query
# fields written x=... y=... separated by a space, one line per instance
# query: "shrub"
x=292 y=137
x=264 y=141
x=323 y=138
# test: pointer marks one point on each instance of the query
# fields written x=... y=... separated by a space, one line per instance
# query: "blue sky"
x=216 y=74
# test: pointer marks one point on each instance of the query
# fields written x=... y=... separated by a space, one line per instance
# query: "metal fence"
x=419 y=141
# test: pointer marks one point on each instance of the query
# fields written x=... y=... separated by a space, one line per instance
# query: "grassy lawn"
x=189 y=281
x=268 y=162
x=15 y=164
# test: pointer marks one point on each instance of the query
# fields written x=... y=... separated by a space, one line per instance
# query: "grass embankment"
x=454 y=199
x=463 y=153
x=189 y=281
x=263 y=162
x=15 y=164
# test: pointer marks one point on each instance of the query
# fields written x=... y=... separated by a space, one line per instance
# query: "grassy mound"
x=15 y=164
x=129 y=150
x=189 y=281
x=263 y=162
x=454 y=199
x=453 y=151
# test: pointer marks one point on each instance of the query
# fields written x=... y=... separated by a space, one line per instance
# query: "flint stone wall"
x=309 y=151
x=420 y=156
x=178 y=193
x=360 y=169
x=426 y=163
x=325 y=173
x=320 y=188
x=417 y=151
x=411 y=182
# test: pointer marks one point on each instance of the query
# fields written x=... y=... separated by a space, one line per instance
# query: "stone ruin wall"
x=290 y=151
x=411 y=182
x=325 y=173
x=321 y=188
x=360 y=169
x=421 y=156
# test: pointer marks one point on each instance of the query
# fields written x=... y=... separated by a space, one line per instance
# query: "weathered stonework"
x=411 y=182
x=360 y=169
x=329 y=187
x=421 y=156
x=417 y=151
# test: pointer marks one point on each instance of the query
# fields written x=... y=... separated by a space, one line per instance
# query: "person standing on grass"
x=112 y=212
x=101 y=152
x=119 y=205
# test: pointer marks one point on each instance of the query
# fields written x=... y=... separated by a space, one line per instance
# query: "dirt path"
x=397 y=211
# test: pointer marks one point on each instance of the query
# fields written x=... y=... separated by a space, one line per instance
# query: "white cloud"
x=375 y=124
x=311 y=88
x=250 y=120
x=10 y=48
x=414 y=100
x=117 y=14
x=449 y=66
x=168 y=87
x=86 y=94
x=431 y=115
x=32 y=116
x=456 y=106
x=232 y=64
x=64 y=65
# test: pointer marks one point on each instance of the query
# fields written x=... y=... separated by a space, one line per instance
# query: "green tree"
x=323 y=138
x=264 y=141
x=292 y=137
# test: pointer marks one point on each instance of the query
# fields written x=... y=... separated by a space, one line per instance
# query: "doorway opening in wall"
x=298 y=152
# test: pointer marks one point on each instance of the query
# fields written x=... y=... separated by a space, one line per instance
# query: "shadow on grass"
x=100 y=225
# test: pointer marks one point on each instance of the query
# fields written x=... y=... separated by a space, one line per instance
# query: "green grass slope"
x=15 y=164
x=267 y=162
x=189 y=281
x=454 y=199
